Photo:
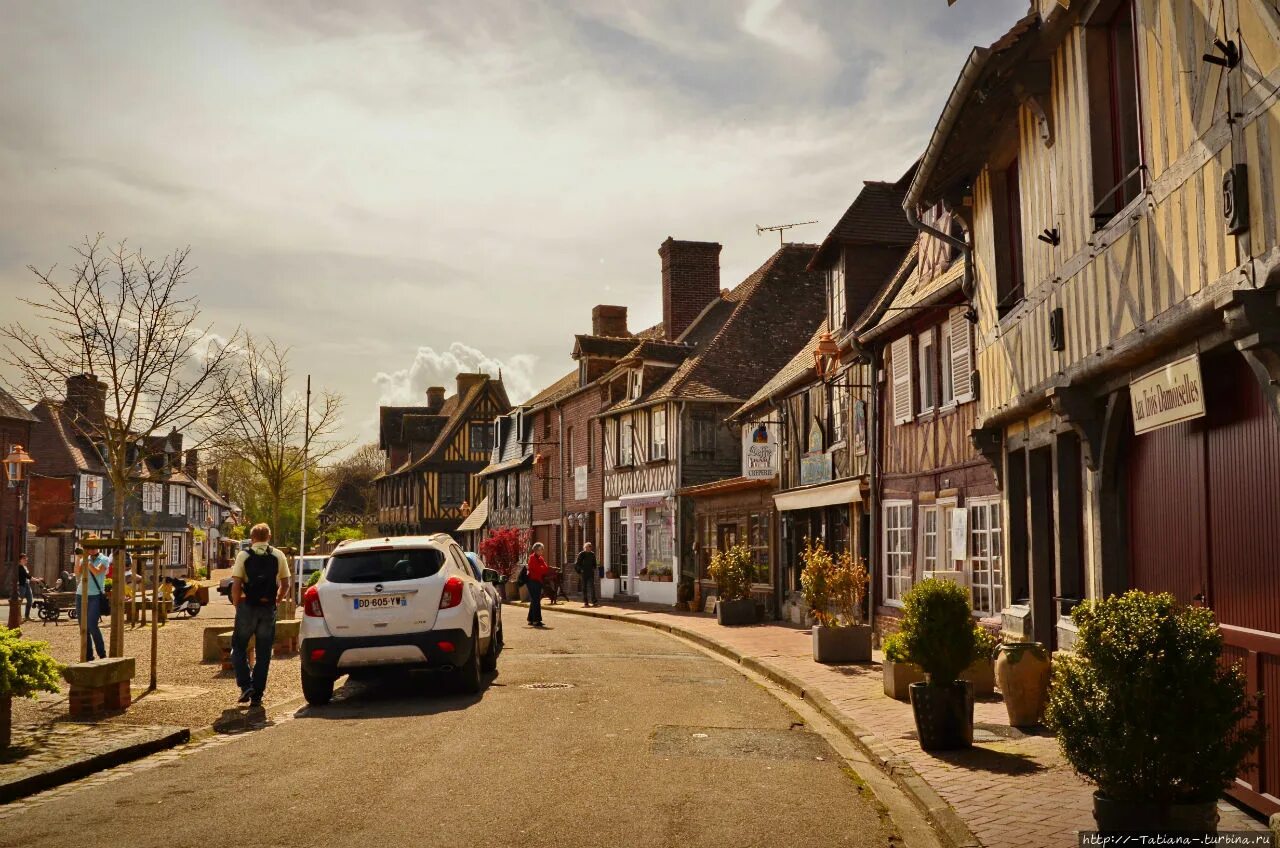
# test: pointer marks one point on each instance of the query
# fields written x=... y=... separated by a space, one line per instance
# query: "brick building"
x=15 y=429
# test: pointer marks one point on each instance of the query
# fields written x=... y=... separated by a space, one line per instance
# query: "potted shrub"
x=899 y=671
x=834 y=590
x=731 y=570
x=25 y=669
x=982 y=671
x=1022 y=670
x=937 y=630
x=1146 y=710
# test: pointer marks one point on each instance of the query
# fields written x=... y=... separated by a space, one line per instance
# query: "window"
x=481 y=437
x=1006 y=210
x=658 y=428
x=929 y=558
x=837 y=402
x=90 y=492
x=517 y=484
x=986 y=556
x=946 y=378
x=506 y=491
x=1114 y=113
x=704 y=436
x=626 y=443
x=835 y=296
x=568 y=452
x=928 y=382
x=900 y=365
x=152 y=497
x=175 y=551
x=637 y=383
x=946 y=559
x=758 y=541
x=897 y=551
x=617 y=541
x=657 y=541
x=177 y=500
x=453 y=489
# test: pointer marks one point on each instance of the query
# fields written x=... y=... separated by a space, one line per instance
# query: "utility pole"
x=302 y=532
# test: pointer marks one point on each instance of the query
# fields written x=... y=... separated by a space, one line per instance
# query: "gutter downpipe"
x=563 y=453
x=914 y=219
x=677 y=519
x=873 y=461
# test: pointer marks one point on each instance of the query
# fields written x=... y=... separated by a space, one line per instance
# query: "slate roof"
x=874 y=217
x=11 y=409
x=799 y=368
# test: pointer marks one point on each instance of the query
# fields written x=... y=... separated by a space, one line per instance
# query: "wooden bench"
x=99 y=686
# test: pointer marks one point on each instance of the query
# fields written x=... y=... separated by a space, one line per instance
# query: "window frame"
x=927 y=365
x=993 y=537
x=658 y=424
x=90 y=484
x=1105 y=88
x=837 y=305
x=487 y=440
x=626 y=442
x=946 y=372
x=929 y=513
x=178 y=494
x=447 y=479
x=894 y=534
x=152 y=497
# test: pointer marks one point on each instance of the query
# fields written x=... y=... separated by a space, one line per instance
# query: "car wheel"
x=489 y=662
x=316 y=689
x=468 y=674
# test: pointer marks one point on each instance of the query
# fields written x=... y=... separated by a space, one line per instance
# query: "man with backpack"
x=259 y=580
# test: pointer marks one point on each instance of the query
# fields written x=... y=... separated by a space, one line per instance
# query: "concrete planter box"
x=898 y=677
x=982 y=674
x=850 y=644
x=735 y=613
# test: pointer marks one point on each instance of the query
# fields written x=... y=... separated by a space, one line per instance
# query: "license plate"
x=380 y=602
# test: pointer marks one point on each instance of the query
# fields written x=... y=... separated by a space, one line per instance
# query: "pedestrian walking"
x=91 y=565
x=24 y=586
x=586 y=565
x=537 y=571
x=259 y=581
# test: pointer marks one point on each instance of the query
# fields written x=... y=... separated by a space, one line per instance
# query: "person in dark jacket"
x=24 y=585
x=586 y=565
x=537 y=571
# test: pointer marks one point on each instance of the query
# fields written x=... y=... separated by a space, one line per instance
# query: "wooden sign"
x=1168 y=395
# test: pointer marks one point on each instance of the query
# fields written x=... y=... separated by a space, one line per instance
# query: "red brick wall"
x=690 y=280
x=575 y=413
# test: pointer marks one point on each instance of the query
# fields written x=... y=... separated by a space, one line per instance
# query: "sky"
x=397 y=190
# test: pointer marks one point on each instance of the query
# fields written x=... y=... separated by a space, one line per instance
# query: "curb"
x=85 y=766
x=948 y=824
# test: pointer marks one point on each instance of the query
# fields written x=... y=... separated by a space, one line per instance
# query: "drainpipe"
x=873 y=461
x=677 y=524
x=914 y=219
x=560 y=459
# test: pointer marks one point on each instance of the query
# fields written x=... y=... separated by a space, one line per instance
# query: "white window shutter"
x=961 y=356
x=902 y=401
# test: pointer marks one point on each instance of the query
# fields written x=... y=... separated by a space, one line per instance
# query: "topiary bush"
x=895 y=648
x=937 y=629
x=1144 y=708
x=26 y=667
x=731 y=570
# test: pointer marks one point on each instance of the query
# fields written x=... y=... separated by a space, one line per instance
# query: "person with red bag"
x=535 y=573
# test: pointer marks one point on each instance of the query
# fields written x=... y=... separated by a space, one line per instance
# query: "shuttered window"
x=901 y=365
x=961 y=356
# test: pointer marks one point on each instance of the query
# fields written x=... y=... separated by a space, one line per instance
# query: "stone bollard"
x=286 y=610
x=99 y=686
x=224 y=650
x=210 y=650
x=286 y=642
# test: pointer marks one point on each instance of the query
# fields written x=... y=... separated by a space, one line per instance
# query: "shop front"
x=731 y=512
x=828 y=512
x=640 y=555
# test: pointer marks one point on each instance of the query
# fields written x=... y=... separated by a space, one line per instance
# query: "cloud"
x=408 y=386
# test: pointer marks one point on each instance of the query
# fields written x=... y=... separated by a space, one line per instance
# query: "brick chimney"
x=466 y=380
x=690 y=281
x=191 y=465
x=211 y=477
x=609 y=321
x=87 y=398
x=435 y=399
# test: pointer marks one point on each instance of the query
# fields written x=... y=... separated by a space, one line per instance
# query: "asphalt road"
x=650 y=743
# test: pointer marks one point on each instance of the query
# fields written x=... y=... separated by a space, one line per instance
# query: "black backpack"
x=261 y=576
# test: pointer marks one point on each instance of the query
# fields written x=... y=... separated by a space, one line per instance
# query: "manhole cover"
x=547 y=686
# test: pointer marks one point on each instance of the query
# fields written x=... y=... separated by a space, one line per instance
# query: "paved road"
x=652 y=744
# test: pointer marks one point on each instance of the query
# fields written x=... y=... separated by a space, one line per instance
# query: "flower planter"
x=1022 y=670
x=944 y=715
x=734 y=613
x=898 y=677
x=849 y=644
x=982 y=674
x=1132 y=817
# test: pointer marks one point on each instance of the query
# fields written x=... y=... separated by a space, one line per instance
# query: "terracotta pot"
x=944 y=715
x=982 y=674
x=849 y=644
x=898 y=677
x=1133 y=817
x=1022 y=670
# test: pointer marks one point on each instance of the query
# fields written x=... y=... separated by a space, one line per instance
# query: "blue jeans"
x=24 y=591
x=92 y=612
x=535 y=601
x=260 y=624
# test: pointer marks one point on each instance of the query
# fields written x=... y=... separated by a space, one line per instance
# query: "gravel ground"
x=190 y=694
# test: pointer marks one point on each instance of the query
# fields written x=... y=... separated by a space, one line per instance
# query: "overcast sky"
x=395 y=189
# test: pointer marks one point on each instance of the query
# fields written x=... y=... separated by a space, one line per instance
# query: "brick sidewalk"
x=1011 y=789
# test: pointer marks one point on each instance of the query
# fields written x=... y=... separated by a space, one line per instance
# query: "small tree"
x=937 y=629
x=26 y=668
x=503 y=550
x=732 y=570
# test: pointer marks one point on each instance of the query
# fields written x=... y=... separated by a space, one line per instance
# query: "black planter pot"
x=734 y=613
x=944 y=715
x=1130 y=817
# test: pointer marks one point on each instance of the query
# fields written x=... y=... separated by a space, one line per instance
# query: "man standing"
x=259 y=581
x=91 y=565
x=586 y=568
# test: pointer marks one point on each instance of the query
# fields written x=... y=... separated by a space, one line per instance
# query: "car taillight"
x=311 y=603
x=452 y=594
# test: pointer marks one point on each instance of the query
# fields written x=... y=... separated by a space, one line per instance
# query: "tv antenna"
x=780 y=229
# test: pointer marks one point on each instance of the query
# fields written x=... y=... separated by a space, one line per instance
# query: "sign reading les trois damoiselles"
x=1168 y=395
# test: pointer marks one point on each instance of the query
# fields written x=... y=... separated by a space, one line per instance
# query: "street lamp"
x=15 y=470
x=826 y=356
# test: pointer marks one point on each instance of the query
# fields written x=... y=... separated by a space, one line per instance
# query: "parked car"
x=491 y=581
x=303 y=568
x=403 y=602
x=224 y=585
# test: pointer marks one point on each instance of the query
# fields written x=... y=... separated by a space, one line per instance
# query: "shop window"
x=657 y=542
x=928 y=382
x=1114 y=111
x=453 y=489
x=758 y=541
x=929 y=554
x=897 y=551
x=986 y=561
x=617 y=541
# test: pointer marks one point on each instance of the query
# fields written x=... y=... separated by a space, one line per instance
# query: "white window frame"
x=626 y=442
x=152 y=497
x=945 y=553
x=839 y=421
x=985 y=558
x=637 y=383
x=658 y=427
x=177 y=499
x=928 y=395
x=898 y=569
x=929 y=515
x=91 y=491
x=836 y=296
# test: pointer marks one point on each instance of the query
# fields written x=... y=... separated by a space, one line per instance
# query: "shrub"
x=986 y=643
x=26 y=666
x=314 y=577
x=834 y=588
x=732 y=570
x=937 y=629
x=202 y=572
x=503 y=550
x=1144 y=708
x=895 y=648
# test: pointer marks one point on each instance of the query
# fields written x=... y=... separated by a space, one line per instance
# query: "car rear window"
x=384 y=566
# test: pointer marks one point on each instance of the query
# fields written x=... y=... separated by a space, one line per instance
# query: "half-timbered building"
x=1114 y=164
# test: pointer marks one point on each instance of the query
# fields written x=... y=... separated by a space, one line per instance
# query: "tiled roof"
x=800 y=366
x=11 y=409
x=555 y=391
x=458 y=413
x=875 y=216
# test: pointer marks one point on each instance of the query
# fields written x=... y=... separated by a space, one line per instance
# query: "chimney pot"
x=467 y=379
x=609 y=321
x=87 y=399
x=192 y=464
x=435 y=399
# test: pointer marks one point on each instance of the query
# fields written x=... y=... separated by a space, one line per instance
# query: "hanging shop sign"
x=815 y=468
x=760 y=451
x=1169 y=395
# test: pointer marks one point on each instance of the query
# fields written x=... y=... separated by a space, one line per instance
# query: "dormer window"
x=637 y=383
x=835 y=296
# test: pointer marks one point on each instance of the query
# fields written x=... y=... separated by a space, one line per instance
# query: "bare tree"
x=124 y=318
x=358 y=469
x=267 y=425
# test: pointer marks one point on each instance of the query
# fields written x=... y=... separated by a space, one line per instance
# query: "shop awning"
x=828 y=494
x=477 y=518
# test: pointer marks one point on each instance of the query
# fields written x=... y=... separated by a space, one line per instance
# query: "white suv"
x=408 y=601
